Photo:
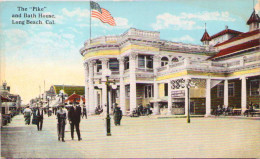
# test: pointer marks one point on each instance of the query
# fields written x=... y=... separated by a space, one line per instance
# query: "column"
x=187 y=61
x=86 y=86
x=122 y=85
x=208 y=97
x=243 y=94
x=95 y=69
x=132 y=67
x=104 y=87
x=226 y=93
x=156 y=64
x=156 y=109
x=186 y=107
x=95 y=99
x=91 y=88
x=169 y=98
x=242 y=61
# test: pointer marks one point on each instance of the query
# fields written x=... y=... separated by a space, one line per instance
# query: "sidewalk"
x=202 y=116
x=144 y=137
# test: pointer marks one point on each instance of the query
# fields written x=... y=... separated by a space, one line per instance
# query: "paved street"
x=137 y=137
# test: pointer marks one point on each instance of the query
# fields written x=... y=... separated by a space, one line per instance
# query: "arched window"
x=164 y=61
x=175 y=59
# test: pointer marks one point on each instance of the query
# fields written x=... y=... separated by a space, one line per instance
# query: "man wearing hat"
x=84 y=112
x=39 y=118
x=74 y=118
x=61 y=116
x=117 y=114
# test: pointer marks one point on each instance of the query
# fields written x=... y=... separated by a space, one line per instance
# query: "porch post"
x=104 y=63
x=86 y=86
x=156 y=62
x=132 y=67
x=186 y=101
x=91 y=88
x=122 y=86
x=243 y=94
x=226 y=93
x=208 y=97
x=169 y=98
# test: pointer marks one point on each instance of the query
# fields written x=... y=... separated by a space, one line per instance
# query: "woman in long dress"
x=61 y=116
x=27 y=115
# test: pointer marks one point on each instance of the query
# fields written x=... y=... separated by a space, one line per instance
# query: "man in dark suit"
x=84 y=112
x=39 y=116
x=74 y=118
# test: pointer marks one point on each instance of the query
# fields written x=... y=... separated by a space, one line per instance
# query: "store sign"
x=178 y=94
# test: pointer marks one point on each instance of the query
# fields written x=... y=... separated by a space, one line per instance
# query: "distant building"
x=68 y=89
x=61 y=90
x=226 y=69
x=12 y=100
x=75 y=99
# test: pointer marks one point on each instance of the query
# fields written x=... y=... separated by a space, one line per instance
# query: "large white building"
x=145 y=69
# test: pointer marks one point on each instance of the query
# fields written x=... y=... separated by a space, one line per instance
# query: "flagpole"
x=90 y=21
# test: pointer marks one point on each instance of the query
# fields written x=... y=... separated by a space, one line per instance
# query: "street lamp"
x=107 y=74
x=182 y=83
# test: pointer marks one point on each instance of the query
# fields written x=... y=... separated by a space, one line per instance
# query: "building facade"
x=14 y=99
x=56 y=92
x=225 y=71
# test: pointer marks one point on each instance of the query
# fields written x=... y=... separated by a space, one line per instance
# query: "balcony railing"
x=176 y=64
x=144 y=70
x=162 y=68
x=115 y=72
x=98 y=73
x=209 y=66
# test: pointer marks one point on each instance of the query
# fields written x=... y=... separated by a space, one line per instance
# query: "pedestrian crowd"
x=73 y=114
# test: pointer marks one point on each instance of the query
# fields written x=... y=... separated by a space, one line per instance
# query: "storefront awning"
x=5 y=99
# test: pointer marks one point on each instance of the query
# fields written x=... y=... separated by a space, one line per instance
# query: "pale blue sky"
x=57 y=46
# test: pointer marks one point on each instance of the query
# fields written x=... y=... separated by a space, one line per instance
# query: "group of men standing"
x=37 y=116
x=74 y=117
x=73 y=114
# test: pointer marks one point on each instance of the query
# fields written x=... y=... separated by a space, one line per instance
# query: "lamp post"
x=182 y=83
x=188 y=94
x=108 y=116
x=108 y=74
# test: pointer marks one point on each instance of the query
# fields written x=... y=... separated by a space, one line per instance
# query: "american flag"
x=105 y=16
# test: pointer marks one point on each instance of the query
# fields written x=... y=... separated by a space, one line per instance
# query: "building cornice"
x=142 y=38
